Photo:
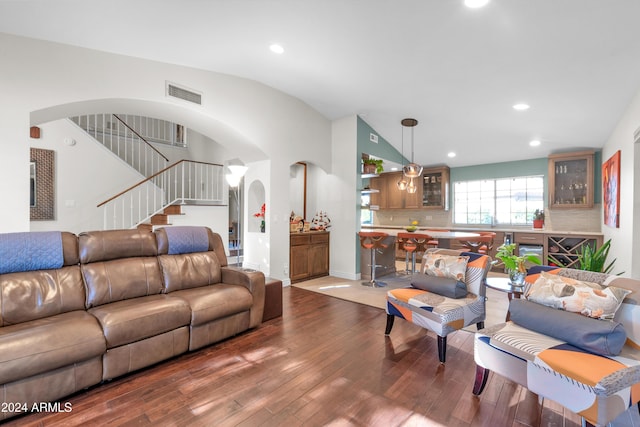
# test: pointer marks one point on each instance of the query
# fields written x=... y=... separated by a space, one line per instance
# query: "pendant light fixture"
x=411 y=170
x=402 y=184
x=412 y=188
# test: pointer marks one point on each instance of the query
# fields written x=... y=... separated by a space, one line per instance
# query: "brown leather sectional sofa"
x=121 y=300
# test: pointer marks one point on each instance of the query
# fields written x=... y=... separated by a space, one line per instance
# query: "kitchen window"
x=504 y=201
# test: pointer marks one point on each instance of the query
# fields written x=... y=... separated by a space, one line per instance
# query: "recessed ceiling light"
x=474 y=4
x=534 y=143
x=276 y=48
x=451 y=154
x=521 y=107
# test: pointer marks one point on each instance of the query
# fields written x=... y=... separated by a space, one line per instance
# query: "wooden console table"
x=308 y=255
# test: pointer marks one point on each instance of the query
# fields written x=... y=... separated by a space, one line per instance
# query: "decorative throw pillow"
x=600 y=337
x=589 y=299
x=445 y=286
x=446 y=265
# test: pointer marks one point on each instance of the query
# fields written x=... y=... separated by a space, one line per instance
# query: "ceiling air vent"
x=184 y=94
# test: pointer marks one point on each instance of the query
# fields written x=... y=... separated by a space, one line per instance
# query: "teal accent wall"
x=382 y=149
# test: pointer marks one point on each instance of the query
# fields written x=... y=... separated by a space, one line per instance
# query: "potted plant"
x=591 y=259
x=515 y=264
x=538 y=218
x=372 y=166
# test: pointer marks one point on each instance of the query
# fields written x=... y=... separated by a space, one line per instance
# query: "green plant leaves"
x=591 y=259
x=512 y=262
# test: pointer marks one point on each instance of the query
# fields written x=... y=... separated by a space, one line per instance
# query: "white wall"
x=341 y=199
x=625 y=243
x=86 y=174
x=48 y=81
x=256 y=246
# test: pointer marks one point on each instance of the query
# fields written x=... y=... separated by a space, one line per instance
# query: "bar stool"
x=488 y=246
x=373 y=241
x=481 y=244
x=413 y=243
x=434 y=243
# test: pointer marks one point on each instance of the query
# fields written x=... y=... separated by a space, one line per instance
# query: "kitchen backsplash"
x=580 y=220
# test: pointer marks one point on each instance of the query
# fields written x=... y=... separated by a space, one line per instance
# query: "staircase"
x=161 y=218
x=164 y=187
x=124 y=141
x=184 y=182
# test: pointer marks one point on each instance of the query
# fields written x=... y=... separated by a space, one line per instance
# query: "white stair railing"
x=124 y=141
x=183 y=182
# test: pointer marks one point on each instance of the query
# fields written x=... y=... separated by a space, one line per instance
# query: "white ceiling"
x=457 y=70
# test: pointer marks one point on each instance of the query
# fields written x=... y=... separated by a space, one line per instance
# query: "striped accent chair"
x=598 y=385
x=440 y=314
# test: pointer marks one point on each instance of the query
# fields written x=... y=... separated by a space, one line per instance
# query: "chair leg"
x=442 y=348
x=481 y=380
x=390 y=319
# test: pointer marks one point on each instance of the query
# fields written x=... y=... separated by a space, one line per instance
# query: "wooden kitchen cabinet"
x=390 y=197
x=571 y=180
x=435 y=188
x=308 y=255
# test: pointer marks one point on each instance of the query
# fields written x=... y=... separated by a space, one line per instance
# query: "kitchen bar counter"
x=386 y=258
x=487 y=228
x=443 y=236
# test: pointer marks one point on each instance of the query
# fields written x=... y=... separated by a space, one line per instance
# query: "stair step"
x=160 y=219
x=173 y=210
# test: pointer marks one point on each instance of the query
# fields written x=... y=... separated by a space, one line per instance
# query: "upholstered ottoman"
x=272 y=299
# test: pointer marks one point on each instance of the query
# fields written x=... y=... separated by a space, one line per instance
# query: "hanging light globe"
x=412 y=188
x=402 y=184
x=411 y=170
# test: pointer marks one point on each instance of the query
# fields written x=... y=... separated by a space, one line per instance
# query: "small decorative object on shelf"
x=261 y=214
x=413 y=226
x=320 y=221
x=299 y=225
x=515 y=264
x=538 y=218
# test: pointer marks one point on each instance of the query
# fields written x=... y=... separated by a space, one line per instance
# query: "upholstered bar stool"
x=434 y=243
x=373 y=241
x=413 y=244
x=481 y=244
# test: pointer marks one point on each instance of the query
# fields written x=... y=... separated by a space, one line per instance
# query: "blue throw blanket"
x=185 y=239
x=39 y=250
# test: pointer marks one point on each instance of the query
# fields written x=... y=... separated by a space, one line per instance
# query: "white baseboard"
x=344 y=275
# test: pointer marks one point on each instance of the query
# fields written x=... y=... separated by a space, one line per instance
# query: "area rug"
x=353 y=290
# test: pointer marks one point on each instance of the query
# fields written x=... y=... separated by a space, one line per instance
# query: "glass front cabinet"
x=435 y=188
x=571 y=180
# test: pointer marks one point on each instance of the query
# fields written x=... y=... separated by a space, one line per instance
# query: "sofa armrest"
x=254 y=282
x=251 y=279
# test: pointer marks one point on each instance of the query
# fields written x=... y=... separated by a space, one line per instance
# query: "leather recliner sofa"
x=77 y=310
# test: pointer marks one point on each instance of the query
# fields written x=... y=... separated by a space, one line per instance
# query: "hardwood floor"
x=325 y=362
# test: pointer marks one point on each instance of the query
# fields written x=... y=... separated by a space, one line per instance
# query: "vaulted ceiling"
x=458 y=71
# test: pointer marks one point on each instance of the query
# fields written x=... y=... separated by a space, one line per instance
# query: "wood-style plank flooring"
x=324 y=362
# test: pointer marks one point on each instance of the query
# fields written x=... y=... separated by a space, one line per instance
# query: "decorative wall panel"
x=43 y=185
